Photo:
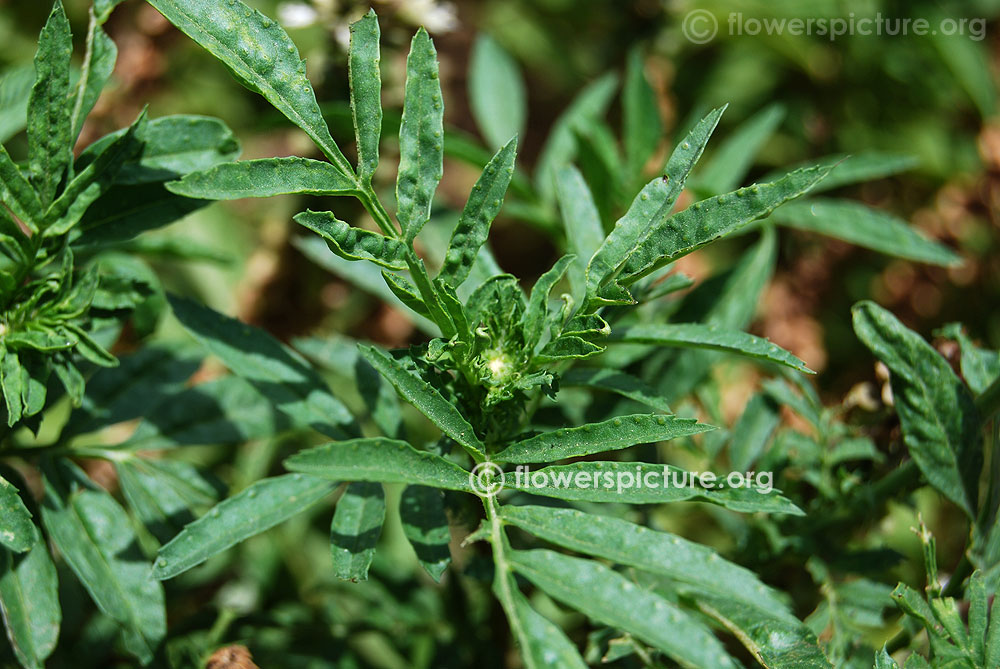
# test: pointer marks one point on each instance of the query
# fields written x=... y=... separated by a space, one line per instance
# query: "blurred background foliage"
x=933 y=97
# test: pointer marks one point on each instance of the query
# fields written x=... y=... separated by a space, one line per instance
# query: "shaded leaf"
x=752 y=432
x=29 y=603
x=616 y=382
x=536 y=316
x=97 y=69
x=356 y=527
x=425 y=524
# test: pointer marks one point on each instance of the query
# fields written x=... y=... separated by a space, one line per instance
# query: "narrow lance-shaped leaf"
x=642 y=127
x=260 y=507
x=17 y=193
x=612 y=434
x=17 y=532
x=731 y=162
x=29 y=604
x=473 y=225
x=695 y=335
x=752 y=432
x=617 y=382
x=97 y=68
x=705 y=222
x=49 y=142
x=536 y=316
x=651 y=206
x=496 y=92
x=425 y=524
x=259 y=53
x=855 y=169
x=935 y=408
x=427 y=399
x=599 y=592
x=581 y=222
x=355 y=529
x=379 y=460
x=366 y=92
x=352 y=243
x=264 y=178
x=421 y=137
x=566 y=348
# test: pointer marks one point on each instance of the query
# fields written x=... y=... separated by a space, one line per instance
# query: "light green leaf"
x=17 y=532
x=705 y=222
x=752 y=432
x=599 y=593
x=617 y=382
x=50 y=149
x=978 y=599
x=421 y=137
x=95 y=537
x=425 y=524
x=860 y=168
x=12 y=381
x=536 y=316
x=98 y=65
x=260 y=507
x=936 y=410
x=352 y=243
x=103 y=9
x=366 y=92
x=264 y=178
x=496 y=92
x=980 y=366
x=281 y=376
x=581 y=221
x=568 y=347
x=659 y=553
x=610 y=435
x=884 y=661
x=695 y=335
x=261 y=56
x=642 y=128
x=356 y=527
x=651 y=206
x=427 y=400
x=379 y=460
x=29 y=604
x=731 y=162
x=15 y=88
x=481 y=208
x=859 y=224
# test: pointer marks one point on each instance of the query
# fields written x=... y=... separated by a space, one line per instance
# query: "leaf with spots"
x=264 y=178
x=366 y=92
x=352 y=243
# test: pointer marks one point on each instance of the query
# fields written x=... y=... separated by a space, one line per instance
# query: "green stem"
x=374 y=207
x=501 y=577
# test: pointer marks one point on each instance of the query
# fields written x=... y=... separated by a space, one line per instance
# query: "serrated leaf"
x=258 y=508
x=705 y=222
x=421 y=137
x=95 y=537
x=536 y=316
x=97 y=69
x=613 y=381
x=651 y=206
x=609 y=435
x=264 y=178
x=566 y=348
x=425 y=524
x=355 y=529
x=366 y=92
x=281 y=376
x=659 y=553
x=696 y=335
x=936 y=410
x=481 y=208
x=261 y=56
x=17 y=532
x=427 y=400
x=379 y=460
x=352 y=243
x=752 y=432
x=50 y=149
x=642 y=128
x=870 y=228
x=598 y=592
x=497 y=97
x=731 y=162
x=29 y=604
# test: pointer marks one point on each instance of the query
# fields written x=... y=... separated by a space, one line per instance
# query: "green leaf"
x=936 y=410
x=884 y=661
x=421 y=137
x=496 y=92
x=163 y=492
x=536 y=316
x=560 y=147
x=406 y=292
x=264 y=178
x=599 y=593
x=581 y=221
x=356 y=527
x=17 y=193
x=566 y=348
x=17 y=532
x=651 y=206
x=969 y=61
x=978 y=609
x=95 y=537
x=860 y=168
x=731 y=162
x=427 y=400
x=705 y=222
x=260 y=507
x=352 y=243
x=425 y=524
x=29 y=604
x=124 y=212
x=659 y=553
x=752 y=432
x=261 y=56
x=12 y=381
x=642 y=128
x=97 y=68
x=643 y=483
x=366 y=92
x=617 y=382
x=610 y=435
x=858 y=224
x=980 y=366
x=15 y=89
x=281 y=376
x=50 y=149
x=695 y=335
x=481 y=208
x=103 y=9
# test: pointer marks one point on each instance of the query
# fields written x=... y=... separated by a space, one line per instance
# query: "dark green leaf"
x=616 y=382
x=642 y=128
x=17 y=532
x=425 y=524
x=356 y=527
x=163 y=492
x=568 y=347
x=536 y=316
x=17 y=193
x=366 y=92
x=264 y=178
x=353 y=243
x=731 y=162
x=29 y=603
x=126 y=211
